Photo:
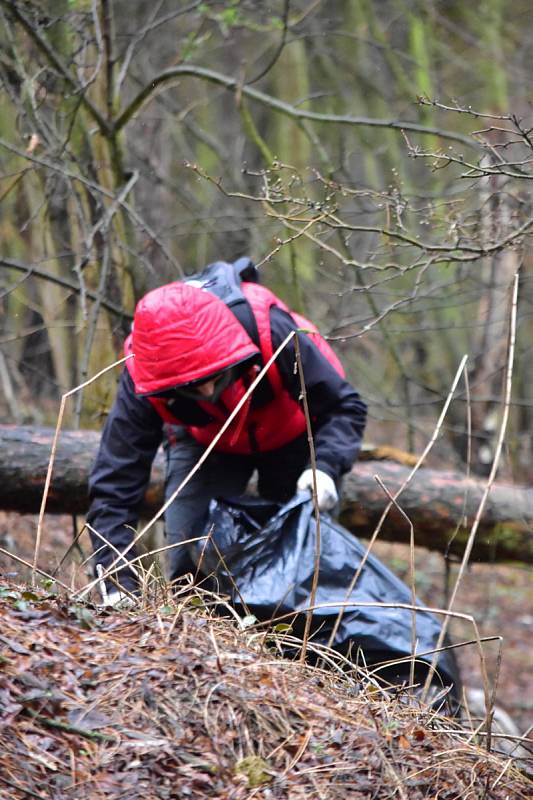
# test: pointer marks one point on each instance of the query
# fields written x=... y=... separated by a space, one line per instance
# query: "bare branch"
x=56 y=61
x=29 y=269
x=183 y=70
x=279 y=49
x=62 y=170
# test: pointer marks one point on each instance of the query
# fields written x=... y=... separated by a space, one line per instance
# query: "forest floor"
x=171 y=701
x=499 y=597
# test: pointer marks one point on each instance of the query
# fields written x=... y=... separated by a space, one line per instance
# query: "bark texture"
x=440 y=505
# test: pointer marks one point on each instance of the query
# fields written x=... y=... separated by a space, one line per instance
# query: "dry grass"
x=171 y=701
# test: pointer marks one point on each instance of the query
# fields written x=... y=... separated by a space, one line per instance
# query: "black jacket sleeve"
x=338 y=414
x=130 y=439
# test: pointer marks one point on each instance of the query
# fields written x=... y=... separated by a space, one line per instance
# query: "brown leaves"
x=418 y=734
x=104 y=706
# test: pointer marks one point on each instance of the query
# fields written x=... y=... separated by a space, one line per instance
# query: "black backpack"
x=224 y=281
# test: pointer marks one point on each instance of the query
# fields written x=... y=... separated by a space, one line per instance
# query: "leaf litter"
x=174 y=701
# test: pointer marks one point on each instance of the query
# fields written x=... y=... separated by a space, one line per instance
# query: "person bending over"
x=197 y=346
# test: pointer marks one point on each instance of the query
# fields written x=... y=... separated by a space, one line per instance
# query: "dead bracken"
x=173 y=701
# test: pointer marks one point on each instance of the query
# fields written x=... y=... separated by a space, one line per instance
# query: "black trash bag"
x=269 y=551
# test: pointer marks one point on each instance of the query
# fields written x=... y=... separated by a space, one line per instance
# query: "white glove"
x=118 y=600
x=326 y=490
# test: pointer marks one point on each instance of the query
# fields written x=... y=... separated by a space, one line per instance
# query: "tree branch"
x=55 y=60
x=29 y=269
x=279 y=48
x=276 y=104
x=62 y=170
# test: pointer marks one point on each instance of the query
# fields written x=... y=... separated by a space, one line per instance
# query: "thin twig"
x=103 y=226
x=484 y=498
x=54 y=58
x=33 y=567
x=64 y=726
x=312 y=458
x=65 y=283
x=53 y=453
x=411 y=575
x=399 y=491
x=59 y=167
x=461 y=522
x=73 y=545
x=279 y=49
x=23 y=789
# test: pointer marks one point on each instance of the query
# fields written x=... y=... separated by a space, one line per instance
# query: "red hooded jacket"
x=183 y=333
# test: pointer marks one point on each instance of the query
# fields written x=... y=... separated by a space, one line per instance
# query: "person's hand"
x=119 y=600
x=326 y=490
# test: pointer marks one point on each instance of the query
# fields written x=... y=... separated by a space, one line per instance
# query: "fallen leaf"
x=254 y=769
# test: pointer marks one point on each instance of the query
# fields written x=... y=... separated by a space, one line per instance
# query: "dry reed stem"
x=36 y=569
x=411 y=574
x=53 y=453
x=490 y=480
x=398 y=492
x=314 y=493
x=446 y=613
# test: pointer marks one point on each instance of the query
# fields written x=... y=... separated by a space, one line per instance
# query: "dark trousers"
x=221 y=475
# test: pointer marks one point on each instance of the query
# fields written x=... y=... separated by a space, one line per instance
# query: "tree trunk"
x=434 y=501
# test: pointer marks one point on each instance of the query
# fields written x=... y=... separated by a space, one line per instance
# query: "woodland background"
x=374 y=158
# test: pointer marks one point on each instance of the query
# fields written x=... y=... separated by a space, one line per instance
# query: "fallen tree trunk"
x=440 y=505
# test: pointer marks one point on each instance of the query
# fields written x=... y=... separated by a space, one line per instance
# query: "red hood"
x=182 y=333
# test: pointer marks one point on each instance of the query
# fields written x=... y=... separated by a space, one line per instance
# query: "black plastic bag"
x=269 y=552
